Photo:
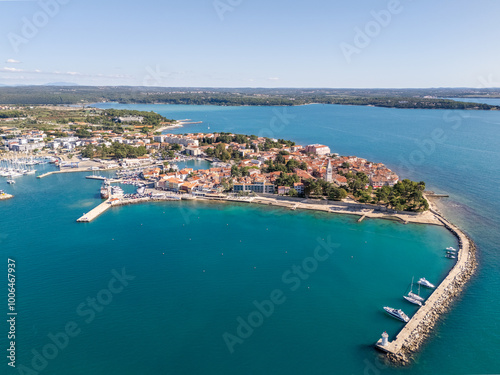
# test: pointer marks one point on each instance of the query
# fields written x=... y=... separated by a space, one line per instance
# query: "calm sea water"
x=199 y=267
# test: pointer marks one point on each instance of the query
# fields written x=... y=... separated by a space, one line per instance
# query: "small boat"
x=10 y=182
x=426 y=283
x=105 y=190
x=412 y=300
x=450 y=256
x=451 y=252
x=398 y=314
x=451 y=248
x=116 y=191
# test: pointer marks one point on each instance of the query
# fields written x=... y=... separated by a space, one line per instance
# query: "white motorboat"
x=398 y=314
x=426 y=283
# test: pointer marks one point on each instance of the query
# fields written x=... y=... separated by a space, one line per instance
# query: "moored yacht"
x=398 y=314
x=414 y=297
x=412 y=300
x=426 y=283
x=105 y=190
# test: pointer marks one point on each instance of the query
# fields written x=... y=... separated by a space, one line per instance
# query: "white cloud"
x=5 y=69
x=12 y=61
x=273 y=79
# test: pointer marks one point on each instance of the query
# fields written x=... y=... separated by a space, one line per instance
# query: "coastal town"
x=240 y=164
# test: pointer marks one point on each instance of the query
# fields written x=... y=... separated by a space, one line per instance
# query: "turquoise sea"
x=199 y=269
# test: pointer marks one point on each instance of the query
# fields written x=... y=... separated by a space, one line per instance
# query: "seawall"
x=411 y=338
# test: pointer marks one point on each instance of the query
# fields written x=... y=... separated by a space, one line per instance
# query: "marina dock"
x=46 y=174
x=410 y=338
x=97 y=211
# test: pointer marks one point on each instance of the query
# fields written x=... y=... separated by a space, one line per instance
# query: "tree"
x=227 y=184
x=280 y=159
x=293 y=193
x=235 y=172
x=303 y=166
x=83 y=133
x=337 y=194
x=88 y=151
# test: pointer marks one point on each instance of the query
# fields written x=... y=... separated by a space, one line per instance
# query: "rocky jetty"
x=463 y=271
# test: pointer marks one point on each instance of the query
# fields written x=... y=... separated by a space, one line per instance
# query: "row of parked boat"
x=451 y=253
x=411 y=297
x=17 y=167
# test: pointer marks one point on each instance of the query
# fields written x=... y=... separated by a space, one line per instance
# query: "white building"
x=318 y=149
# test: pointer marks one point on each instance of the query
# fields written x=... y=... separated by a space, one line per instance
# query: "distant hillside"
x=61 y=84
x=391 y=98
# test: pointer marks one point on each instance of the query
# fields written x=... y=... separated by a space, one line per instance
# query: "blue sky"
x=251 y=43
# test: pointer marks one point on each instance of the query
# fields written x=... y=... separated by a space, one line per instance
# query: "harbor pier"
x=97 y=211
x=411 y=337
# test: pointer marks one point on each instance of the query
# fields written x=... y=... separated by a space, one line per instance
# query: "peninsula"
x=244 y=169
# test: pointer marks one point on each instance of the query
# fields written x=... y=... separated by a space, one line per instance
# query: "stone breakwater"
x=415 y=333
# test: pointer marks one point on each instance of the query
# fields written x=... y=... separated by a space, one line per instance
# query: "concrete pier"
x=46 y=174
x=99 y=210
x=418 y=328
